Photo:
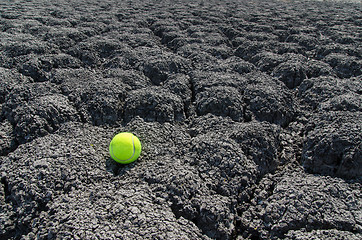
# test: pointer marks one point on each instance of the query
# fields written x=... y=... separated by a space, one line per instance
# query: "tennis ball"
x=125 y=148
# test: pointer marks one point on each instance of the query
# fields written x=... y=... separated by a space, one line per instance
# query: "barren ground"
x=249 y=114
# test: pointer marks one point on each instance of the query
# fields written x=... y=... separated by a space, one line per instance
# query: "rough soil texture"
x=249 y=112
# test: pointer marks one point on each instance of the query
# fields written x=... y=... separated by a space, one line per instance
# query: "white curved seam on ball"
x=134 y=151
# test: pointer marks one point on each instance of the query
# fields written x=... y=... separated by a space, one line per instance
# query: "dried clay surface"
x=249 y=114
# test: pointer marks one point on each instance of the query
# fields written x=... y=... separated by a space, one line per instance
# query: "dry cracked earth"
x=249 y=113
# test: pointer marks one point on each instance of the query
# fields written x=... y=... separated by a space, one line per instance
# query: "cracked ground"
x=249 y=115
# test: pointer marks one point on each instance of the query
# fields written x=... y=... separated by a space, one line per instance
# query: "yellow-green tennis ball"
x=125 y=148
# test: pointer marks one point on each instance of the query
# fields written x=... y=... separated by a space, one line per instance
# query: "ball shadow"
x=117 y=169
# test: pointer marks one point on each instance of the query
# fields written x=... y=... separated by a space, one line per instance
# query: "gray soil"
x=249 y=114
